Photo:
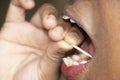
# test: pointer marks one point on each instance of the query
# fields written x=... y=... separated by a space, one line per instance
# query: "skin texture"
x=32 y=50
x=100 y=19
x=29 y=48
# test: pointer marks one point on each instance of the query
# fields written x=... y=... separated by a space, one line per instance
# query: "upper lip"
x=69 y=11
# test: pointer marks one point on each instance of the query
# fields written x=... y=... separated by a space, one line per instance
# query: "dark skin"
x=28 y=48
x=102 y=25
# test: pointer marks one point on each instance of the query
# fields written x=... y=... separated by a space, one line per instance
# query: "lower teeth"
x=75 y=57
x=73 y=60
x=83 y=62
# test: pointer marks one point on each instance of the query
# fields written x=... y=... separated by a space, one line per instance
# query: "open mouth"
x=77 y=62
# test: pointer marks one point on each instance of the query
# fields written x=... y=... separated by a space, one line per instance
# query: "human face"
x=100 y=19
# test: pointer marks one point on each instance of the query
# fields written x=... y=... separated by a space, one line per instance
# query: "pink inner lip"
x=72 y=71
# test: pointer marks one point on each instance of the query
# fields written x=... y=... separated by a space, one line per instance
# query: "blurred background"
x=59 y=4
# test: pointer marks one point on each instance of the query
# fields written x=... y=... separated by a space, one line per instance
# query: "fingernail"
x=57 y=32
x=29 y=4
x=51 y=19
x=73 y=38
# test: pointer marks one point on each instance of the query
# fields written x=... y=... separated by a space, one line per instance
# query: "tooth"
x=83 y=62
x=75 y=57
x=75 y=63
x=65 y=61
x=68 y=61
x=72 y=21
x=66 y=17
x=82 y=56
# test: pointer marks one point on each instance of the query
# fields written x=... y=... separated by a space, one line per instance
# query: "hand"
x=33 y=50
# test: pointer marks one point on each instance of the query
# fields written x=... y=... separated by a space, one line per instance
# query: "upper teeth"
x=67 y=17
x=72 y=21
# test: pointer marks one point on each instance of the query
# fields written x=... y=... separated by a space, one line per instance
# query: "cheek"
x=106 y=63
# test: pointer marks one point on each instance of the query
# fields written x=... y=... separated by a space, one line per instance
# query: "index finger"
x=16 y=10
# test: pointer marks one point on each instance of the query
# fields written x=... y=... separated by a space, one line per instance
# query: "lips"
x=77 y=62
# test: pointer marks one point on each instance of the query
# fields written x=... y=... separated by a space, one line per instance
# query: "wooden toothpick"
x=82 y=51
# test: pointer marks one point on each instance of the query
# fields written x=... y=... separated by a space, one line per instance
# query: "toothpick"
x=82 y=51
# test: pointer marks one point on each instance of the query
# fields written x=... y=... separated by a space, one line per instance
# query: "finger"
x=58 y=33
x=65 y=36
x=57 y=50
x=61 y=45
x=45 y=17
x=66 y=32
x=16 y=10
x=74 y=36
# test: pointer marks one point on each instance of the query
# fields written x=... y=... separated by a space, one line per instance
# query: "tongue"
x=72 y=71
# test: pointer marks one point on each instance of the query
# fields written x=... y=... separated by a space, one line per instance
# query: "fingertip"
x=56 y=34
x=50 y=21
x=30 y=4
x=74 y=37
x=27 y=4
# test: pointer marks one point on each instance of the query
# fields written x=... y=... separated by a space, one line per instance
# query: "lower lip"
x=72 y=71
